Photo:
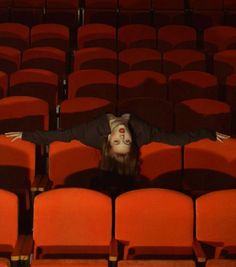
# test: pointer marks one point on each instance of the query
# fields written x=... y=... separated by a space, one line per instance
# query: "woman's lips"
x=121 y=130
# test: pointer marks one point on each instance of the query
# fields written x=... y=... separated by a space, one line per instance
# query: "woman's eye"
x=116 y=142
x=127 y=142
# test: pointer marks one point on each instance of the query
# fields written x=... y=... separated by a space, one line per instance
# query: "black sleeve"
x=181 y=138
x=46 y=137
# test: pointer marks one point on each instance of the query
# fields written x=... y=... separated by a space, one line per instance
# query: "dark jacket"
x=94 y=132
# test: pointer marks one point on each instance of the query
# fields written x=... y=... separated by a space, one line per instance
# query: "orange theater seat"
x=82 y=109
x=192 y=84
x=221 y=263
x=10 y=59
x=176 y=36
x=95 y=58
x=160 y=166
x=202 y=171
x=129 y=36
x=166 y=216
x=139 y=59
x=96 y=35
x=4 y=262
x=154 y=111
x=37 y=83
x=142 y=83
x=156 y=263
x=85 y=214
x=23 y=113
x=215 y=222
x=92 y=83
x=183 y=59
x=53 y=35
x=72 y=263
x=3 y=84
x=15 y=35
x=194 y=114
x=231 y=98
x=73 y=163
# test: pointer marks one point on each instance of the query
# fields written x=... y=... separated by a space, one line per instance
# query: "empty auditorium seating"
x=85 y=214
x=15 y=35
x=92 y=83
x=134 y=11
x=192 y=84
x=72 y=263
x=95 y=58
x=73 y=163
x=129 y=36
x=209 y=165
x=183 y=59
x=27 y=12
x=96 y=35
x=155 y=111
x=168 y=12
x=176 y=36
x=82 y=109
x=230 y=87
x=3 y=84
x=157 y=263
x=163 y=214
x=52 y=35
x=142 y=83
x=139 y=59
x=194 y=114
x=215 y=224
x=10 y=59
x=23 y=113
x=160 y=166
x=37 y=83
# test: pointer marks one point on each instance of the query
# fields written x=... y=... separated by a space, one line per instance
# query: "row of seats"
x=146 y=222
x=72 y=13
x=75 y=164
x=216 y=38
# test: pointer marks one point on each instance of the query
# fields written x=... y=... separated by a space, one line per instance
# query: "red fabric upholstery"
x=192 y=84
x=221 y=263
x=157 y=263
x=3 y=84
x=200 y=113
x=9 y=59
x=72 y=263
x=4 y=262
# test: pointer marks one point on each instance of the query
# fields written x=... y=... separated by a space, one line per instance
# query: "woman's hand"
x=14 y=135
x=221 y=137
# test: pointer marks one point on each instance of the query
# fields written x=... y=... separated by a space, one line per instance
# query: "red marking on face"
x=121 y=130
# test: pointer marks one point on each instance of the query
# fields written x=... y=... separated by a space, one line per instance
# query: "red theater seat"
x=139 y=59
x=3 y=84
x=157 y=263
x=85 y=214
x=194 y=114
x=82 y=109
x=4 y=262
x=96 y=35
x=15 y=35
x=129 y=36
x=160 y=166
x=192 y=84
x=92 y=83
x=183 y=59
x=209 y=165
x=176 y=36
x=215 y=225
x=10 y=59
x=221 y=263
x=52 y=35
x=142 y=83
x=72 y=263
x=95 y=58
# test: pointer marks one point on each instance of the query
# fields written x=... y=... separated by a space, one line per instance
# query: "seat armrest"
x=198 y=251
x=27 y=248
x=15 y=255
x=45 y=183
x=113 y=250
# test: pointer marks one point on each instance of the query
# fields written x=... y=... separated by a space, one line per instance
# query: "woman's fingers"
x=14 y=135
x=221 y=137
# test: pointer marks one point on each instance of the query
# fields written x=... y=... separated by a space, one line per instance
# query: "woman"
x=118 y=138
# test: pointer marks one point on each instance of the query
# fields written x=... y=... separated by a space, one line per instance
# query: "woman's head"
x=119 y=153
